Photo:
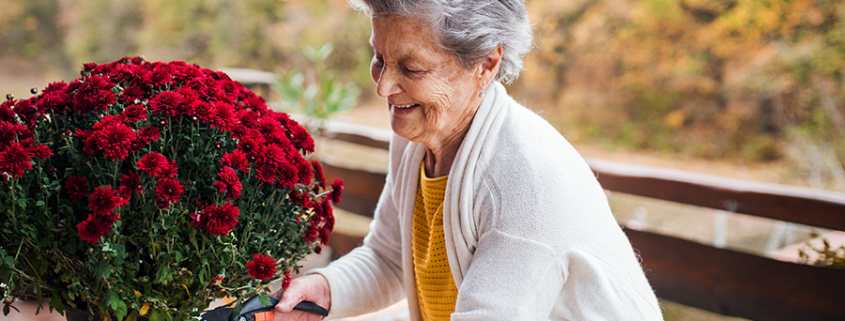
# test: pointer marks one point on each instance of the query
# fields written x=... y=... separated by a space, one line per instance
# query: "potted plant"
x=149 y=189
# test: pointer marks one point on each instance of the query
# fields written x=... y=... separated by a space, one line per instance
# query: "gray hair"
x=468 y=29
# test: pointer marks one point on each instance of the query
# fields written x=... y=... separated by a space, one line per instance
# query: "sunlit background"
x=756 y=84
x=750 y=89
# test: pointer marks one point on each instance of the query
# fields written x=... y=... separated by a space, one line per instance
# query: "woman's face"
x=431 y=97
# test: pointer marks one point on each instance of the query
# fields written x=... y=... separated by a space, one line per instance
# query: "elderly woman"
x=487 y=212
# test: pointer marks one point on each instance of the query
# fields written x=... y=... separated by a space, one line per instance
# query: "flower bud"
x=195 y=119
x=33 y=90
x=4 y=177
x=10 y=96
x=218 y=145
x=162 y=122
x=66 y=133
x=51 y=170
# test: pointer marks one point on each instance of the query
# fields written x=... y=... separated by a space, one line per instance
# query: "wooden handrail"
x=787 y=203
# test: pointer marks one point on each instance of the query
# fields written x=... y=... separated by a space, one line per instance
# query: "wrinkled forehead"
x=396 y=33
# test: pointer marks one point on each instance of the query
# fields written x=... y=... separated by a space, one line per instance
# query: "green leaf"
x=10 y=261
x=157 y=315
x=263 y=299
x=39 y=203
x=113 y=300
x=55 y=303
x=121 y=310
x=22 y=203
x=102 y=270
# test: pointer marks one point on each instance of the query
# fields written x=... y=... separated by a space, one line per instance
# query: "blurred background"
x=755 y=88
x=749 y=89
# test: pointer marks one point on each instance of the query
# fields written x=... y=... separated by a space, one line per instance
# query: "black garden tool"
x=253 y=310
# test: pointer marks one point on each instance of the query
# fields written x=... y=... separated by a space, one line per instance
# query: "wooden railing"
x=715 y=279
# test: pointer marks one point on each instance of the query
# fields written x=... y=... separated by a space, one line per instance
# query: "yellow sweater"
x=435 y=287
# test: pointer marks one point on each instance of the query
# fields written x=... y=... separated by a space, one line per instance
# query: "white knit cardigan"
x=529 y=233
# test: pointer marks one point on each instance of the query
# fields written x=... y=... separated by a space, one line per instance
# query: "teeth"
x=405 y=106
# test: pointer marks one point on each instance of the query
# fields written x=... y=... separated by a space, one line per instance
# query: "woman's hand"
x=312 y=287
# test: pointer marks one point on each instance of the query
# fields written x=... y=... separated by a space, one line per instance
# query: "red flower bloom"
x=318 y=173
x=115 y=141
x=301 y=139
x=261 y=267
x=236 y=159
x=55 y=101
x=217 y=280
x=224 y=115
x=159 y=77
x=95 y=227
x=169 y=190
x=149 y=134
x=130 y=183
x=135 y=113
x=92 y=94
x=152 y=163
x=167 y=102
x=15 y=160
x=77 y=187
x=229 y=183
x=337 y=189
x=217 y=220
x=169 y=170
x=40 y=151
x=104 y=200
x=286 y=280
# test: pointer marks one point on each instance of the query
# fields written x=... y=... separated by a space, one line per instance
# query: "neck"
x=440 y=154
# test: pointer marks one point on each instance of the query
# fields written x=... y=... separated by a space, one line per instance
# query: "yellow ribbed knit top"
x=436 y=288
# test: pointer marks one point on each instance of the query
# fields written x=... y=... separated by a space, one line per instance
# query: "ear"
x=489 y=68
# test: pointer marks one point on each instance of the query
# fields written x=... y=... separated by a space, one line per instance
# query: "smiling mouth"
x=405 y=106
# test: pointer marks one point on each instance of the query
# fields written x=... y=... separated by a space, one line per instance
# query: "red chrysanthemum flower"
x=301 y=139
x=39 y=150
x=104 y=200
x=229 y=183
x=130 y=183
x=287 y=175
x=304 y=171
x=149 y=134
x=77 y=187
x=236 y=159
x=95 y=227
x=169 y=170
x=115 y=140
x=337 y=189
x=261 y=267
x=92 y=94
x=217 y=280
x=159 y=76
x=15 y=160
x=216 y=220
x=153 y=164
x=167 y=102
x=135 y=113
x=286 y=280
x=169 y=190
x=318 y=173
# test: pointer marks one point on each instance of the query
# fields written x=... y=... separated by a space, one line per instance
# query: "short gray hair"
x=468 y=29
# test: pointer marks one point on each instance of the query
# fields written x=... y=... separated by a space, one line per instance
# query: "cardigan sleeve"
x=370 y=277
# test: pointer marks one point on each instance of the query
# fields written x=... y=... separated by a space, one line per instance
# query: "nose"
x=387 y=83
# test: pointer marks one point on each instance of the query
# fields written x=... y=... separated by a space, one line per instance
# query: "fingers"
x=312 y=288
